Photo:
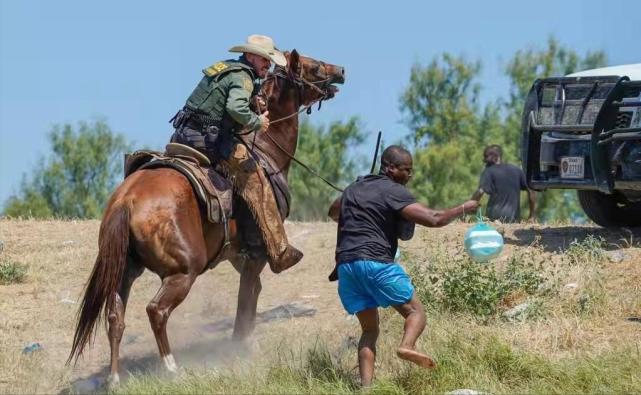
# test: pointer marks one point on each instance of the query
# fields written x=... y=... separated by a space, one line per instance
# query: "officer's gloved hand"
x=264 y=121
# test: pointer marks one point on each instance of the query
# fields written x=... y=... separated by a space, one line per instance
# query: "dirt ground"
x=297 y=303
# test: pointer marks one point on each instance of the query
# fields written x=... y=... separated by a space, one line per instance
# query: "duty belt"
x=203 y=119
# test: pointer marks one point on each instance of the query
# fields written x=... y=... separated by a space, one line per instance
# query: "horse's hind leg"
x=172 y=292
x=116 y=317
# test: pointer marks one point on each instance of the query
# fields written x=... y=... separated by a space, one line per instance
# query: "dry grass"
x=563 y=341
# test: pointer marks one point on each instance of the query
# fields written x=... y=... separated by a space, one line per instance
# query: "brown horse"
x=153 y=220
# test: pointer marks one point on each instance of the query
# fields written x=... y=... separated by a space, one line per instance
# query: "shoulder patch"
x=248 y=85
x=214 y=69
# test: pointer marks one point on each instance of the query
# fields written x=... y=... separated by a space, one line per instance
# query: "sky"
x=133 y=63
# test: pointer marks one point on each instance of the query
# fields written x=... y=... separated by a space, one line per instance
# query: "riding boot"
x=252 y=185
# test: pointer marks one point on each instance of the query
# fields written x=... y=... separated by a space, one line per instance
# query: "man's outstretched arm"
x=335 y=209
x=426 y=216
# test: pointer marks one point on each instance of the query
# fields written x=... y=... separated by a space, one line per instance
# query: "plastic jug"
x=483 y=242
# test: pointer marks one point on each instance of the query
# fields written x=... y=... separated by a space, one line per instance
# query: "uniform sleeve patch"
x=248 y=85
x=215 y=69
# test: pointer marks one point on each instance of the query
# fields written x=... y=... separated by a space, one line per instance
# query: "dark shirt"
x=370 y=220
x=503 y=182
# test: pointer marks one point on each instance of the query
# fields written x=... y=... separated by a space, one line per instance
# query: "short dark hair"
x=394 y=155
x=494 y=149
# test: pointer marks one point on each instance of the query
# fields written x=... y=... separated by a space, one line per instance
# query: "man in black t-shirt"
x=372 y=214
x=504 y=183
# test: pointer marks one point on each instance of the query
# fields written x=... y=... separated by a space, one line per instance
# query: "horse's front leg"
x=248 y=292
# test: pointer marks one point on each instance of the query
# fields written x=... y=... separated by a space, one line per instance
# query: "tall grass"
x=466 y=360
x=474 y=346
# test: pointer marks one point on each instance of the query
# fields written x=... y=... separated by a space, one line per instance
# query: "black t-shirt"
x=370 y=219
x=503 y=182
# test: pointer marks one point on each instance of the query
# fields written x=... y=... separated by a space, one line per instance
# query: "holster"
x=194 y=130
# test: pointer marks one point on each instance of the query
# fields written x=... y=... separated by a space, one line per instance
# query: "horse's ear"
x=292 y=62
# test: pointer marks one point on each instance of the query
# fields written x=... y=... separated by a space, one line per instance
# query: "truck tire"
x=608 y=211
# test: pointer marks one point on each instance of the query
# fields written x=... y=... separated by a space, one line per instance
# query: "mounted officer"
x=215 y=113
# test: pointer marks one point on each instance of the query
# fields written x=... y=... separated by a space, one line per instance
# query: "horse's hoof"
x=113 y=381
x=170 y=364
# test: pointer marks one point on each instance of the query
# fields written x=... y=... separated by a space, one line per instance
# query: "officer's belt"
x=201 y=119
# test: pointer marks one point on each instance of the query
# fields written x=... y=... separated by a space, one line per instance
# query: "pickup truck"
x=583 y=132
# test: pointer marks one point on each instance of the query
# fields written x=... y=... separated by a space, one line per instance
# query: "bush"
x=590 y=249
x=523 y=273
x=12 y=272
x=474 y=288
x=462 y=285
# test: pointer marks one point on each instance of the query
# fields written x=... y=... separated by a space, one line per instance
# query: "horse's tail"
x=100 y=291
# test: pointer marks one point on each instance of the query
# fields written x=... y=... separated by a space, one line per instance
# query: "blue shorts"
x=365 y=284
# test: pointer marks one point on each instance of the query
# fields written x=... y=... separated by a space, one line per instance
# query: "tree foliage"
x=441 y=100
x=449 y=128
x=329 y=151
x=76 y=180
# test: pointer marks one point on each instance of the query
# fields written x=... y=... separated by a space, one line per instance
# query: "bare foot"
x=418 y=358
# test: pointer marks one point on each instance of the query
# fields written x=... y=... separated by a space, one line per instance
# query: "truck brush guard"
x=570 y=122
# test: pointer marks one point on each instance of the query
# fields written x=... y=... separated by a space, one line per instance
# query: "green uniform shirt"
x=226 y=88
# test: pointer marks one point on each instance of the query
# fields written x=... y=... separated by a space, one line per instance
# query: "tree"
x=329 y=151
x=441 y=100
x=441 y=108
x=449 y=129
x=78 y=177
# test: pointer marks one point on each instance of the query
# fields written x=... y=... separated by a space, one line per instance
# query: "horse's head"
x=305 y=80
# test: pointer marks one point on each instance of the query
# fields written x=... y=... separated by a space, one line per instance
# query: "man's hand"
x=470 y=206
x=264 y=121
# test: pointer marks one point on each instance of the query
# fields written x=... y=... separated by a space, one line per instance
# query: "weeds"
x=12 y=272
x=590 y=249
x=463 y=285
x=470 y=287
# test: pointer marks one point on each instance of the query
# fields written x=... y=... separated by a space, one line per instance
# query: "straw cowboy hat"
x=262 y=46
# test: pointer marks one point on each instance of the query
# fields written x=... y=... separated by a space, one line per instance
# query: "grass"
x=475 y=359
x=552 y=348
x=574 y=336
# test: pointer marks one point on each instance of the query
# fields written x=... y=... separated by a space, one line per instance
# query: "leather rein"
x=301 y=82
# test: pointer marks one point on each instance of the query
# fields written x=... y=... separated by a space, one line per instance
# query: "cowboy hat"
x=262 y=46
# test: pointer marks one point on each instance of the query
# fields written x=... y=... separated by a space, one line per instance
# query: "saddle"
x=213 y=190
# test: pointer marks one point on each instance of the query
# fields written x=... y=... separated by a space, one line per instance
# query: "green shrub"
x=589 y=250
x=523 y=273
x=12 y=272
x=474 y=288
x=462 y=285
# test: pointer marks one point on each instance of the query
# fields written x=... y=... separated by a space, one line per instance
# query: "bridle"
x=300 y=82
